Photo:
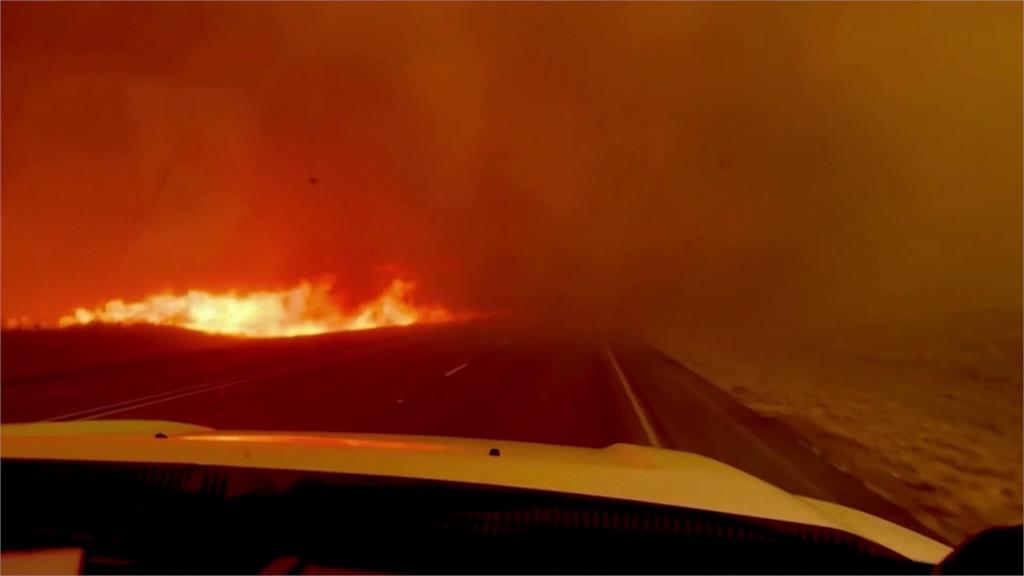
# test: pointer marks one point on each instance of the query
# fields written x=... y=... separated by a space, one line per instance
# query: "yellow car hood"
x=622 y=471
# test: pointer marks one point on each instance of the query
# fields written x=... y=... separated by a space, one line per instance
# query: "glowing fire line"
x=303 y=310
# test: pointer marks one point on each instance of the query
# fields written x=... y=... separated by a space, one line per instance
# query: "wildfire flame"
x=300 y=311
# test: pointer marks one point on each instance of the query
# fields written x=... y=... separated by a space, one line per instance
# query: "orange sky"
x=782 y=162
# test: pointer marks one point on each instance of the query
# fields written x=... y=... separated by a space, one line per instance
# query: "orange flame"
x=300 y=311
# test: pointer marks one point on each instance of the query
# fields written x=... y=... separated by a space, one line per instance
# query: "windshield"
x=783 y=236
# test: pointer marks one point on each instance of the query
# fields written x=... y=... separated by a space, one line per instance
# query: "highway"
x=476 y=380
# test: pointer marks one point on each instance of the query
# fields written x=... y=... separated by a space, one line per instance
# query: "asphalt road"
x=475 y=380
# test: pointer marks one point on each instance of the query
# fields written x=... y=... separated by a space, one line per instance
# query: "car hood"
x=622 y=471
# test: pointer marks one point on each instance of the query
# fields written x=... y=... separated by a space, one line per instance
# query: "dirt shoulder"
x=929 y=414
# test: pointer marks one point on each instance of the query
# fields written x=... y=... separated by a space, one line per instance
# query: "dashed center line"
x=456 y=369
x=504 y=344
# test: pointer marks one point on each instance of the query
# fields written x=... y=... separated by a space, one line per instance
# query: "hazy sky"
x=768 y=163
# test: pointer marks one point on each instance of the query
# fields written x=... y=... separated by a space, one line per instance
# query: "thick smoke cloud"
x=769 y=165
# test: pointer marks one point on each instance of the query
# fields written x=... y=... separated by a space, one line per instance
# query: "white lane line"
x=134 y=403
x=127 y=405
x=456 y=369
x=504 y=344
x=201 y=385
x=165 y=399
x=652 y=438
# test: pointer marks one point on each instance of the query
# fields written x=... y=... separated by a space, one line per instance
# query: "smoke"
x=765 y=165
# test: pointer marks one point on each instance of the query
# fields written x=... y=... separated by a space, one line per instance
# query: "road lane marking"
x=456 y=369
x=169 y=398
x=504 y=344
x=125 y=405
x=652 y=438
x=201 y=385
x=148 y=400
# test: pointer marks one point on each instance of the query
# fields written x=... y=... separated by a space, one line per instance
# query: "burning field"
x=304 y=310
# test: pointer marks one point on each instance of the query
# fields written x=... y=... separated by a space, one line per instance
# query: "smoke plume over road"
x=769 y=165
